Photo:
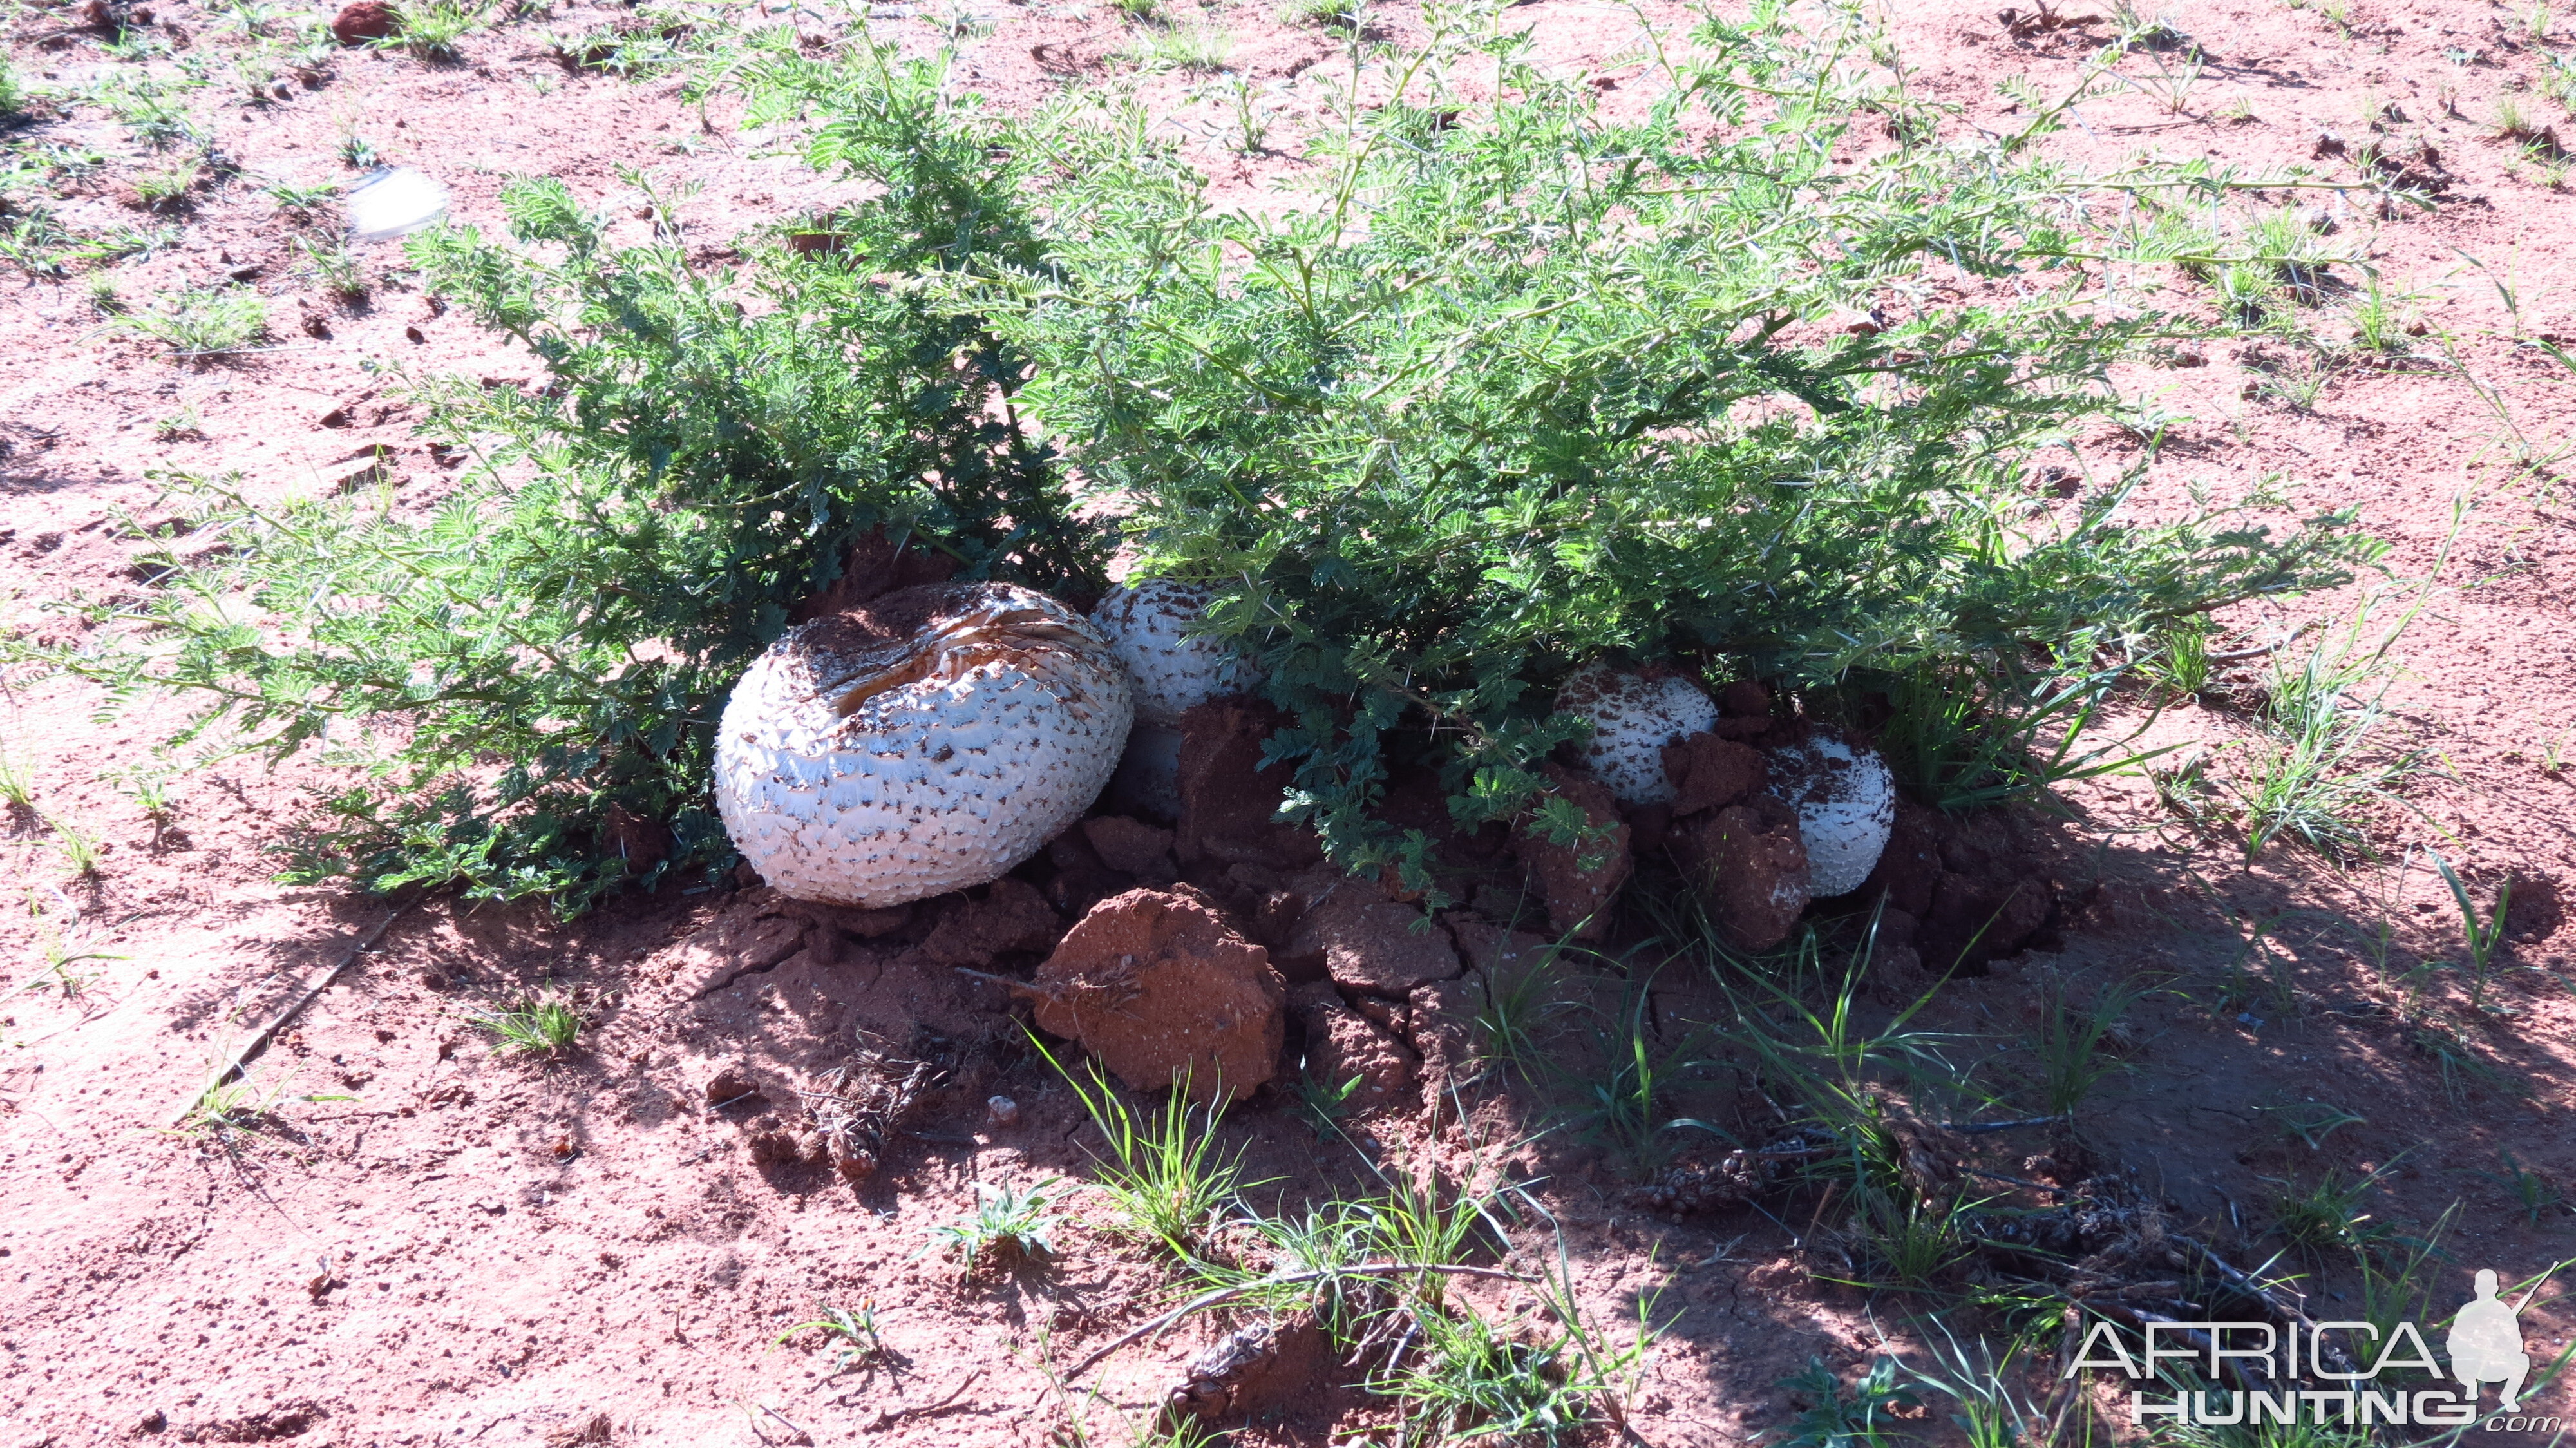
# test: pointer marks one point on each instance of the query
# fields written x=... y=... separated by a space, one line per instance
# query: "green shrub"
x=1523 y=386
x=545 y=653
x=1520 y=387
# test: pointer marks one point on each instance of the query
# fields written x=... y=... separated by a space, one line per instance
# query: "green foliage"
x=532 y=1026
x=1991 y=1412
x=1900 y=1243
x=431 y=29
x=1164 y=1171
x=1191 y=47
x=170 y=186
x=2485 y=931
x=301 y=199
x=1518 y=387
x=2328 y=1214
x=2069 y=1045
x=2534 y=1193
x=335 y=266
x=38 y=242
x=2317 y=767
x=1522 y=386
x=1331 y=14
x=80 y=849
x=13 y=91
x=236 y=1100
x=1621 y=1089
x=17 y=786
x=1473 y=1379
x=200 y=321
x=851 y=1331
x=1011 y=1221
x=552 y=643
x=2312 y=1121
x=1838 y=1417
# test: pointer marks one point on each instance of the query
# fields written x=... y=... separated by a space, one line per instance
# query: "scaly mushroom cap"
x=1846 y=803
x=921 y=743
x=1149 y=626
x=1633 y=718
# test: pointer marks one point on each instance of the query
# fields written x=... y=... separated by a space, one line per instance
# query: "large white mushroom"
x=1846 y=803
x=1174 y=670
x=1633 y=718
x=921 y=743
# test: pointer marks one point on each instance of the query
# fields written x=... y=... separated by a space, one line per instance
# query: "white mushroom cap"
x=1633 y=718
x=1148 y=780
x=1174 y=669
x=1846 y=803
x=921 y=743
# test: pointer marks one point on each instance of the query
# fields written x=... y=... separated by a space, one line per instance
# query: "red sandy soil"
x=452 y=1246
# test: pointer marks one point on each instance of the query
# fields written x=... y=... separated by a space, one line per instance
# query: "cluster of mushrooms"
x=936 y=738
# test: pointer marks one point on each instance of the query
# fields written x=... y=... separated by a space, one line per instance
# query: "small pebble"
x=1004 y=1109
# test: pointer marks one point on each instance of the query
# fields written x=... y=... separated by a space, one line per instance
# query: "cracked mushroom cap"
x=1174 y=670
x=1633 y=718
x=1846 y=803
x=920 y=743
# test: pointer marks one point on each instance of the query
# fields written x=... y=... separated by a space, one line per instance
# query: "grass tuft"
x=532 y=1026
x=200 y=322
x=1164 y=1172
x=1008 y=1222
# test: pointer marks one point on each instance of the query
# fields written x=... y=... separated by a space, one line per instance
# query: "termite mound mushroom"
x=1150 y=625
x=923 y=742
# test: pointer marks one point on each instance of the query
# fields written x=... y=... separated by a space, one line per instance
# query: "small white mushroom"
x=1846 y=803
x=921 y=743
x=1148 y=624
x=1633 y=718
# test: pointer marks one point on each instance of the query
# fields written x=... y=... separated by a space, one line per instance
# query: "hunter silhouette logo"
x=2486 y=1342
x=2260 y=1372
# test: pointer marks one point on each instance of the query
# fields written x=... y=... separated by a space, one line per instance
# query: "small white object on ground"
x=393 y=201
x=1004 y=1109
x=1846 y=803
x=1633 y=718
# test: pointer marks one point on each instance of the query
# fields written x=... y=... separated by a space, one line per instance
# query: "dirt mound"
x=873 y=567
x=1010 y=918
x=364 y=20
x=1578 y=882
x=1229 y=802
x=1362 y=941
x=1750 y=863
x=1960 y=891
x=1343 y=1046
x=1159 y=983
x=1711 y=773
x=1131 y=847
x=1252 y=1370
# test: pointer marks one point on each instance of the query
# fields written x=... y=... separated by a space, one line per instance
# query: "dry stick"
x=2244 y=1282
x=1028 y=987
x=1979 y=1128
x=258 y=1042
x=1225 y=1294
x=888 y=1417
